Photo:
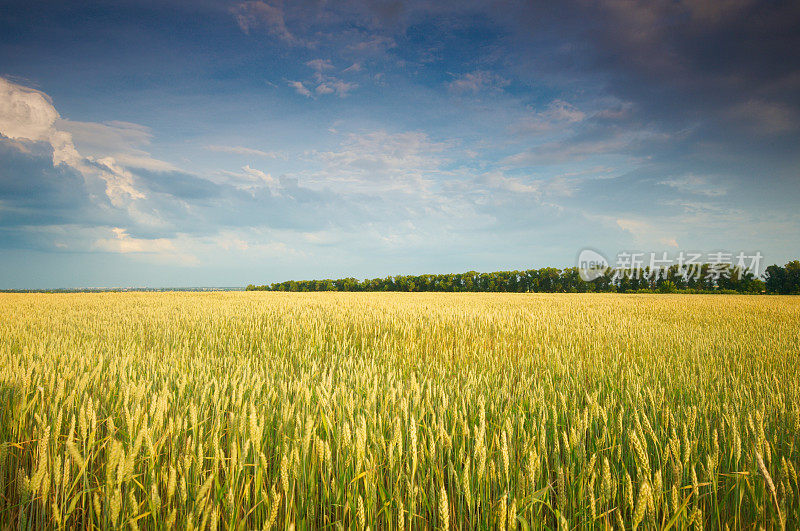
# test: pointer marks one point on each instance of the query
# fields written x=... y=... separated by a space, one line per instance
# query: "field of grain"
x=398 y=411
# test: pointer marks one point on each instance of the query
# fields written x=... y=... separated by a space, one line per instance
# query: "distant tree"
x=549 y=279
x=667 y=286
x=698 y=278
x=793 y=277
x=775 y=279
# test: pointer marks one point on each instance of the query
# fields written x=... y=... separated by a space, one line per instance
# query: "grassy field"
x=398 y=411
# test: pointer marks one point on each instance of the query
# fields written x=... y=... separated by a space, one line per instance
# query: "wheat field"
x=398 y=411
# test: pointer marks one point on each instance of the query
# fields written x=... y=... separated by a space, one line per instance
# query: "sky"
x=212 y=143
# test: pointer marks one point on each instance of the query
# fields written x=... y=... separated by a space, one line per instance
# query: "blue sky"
x=224 y=143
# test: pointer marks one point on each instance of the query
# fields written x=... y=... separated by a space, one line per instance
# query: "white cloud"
x=258 y=176
x=122 y=242
x=573 y=149
x=478 y=81
x=337 y=86
x=319 y=65
x=29 y=115
x=325 y=83
x=142 y=160
x=251 y=180
x=25 y=112
x=120 y=181
x=695 y=184
x=378 y=164
x=645 y=233
x=165 y=250
x=184 y=249
x=239 y=150
x=498 y=180
x=121 y=140
x=380 y=160
x=566 y=150
x=557 y=115
x=300 y=88
x=256 y=244
x=374 y=45
x=618 y=110
x=105 y=137
x=256 y=14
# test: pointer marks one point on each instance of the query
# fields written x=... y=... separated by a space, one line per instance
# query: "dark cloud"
x=180 y=185
x=34 y=192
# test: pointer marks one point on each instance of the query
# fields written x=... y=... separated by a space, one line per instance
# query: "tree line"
x=705 y=278
x=783 y=280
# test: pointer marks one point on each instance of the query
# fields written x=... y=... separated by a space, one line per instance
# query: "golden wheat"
x=398 y=411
